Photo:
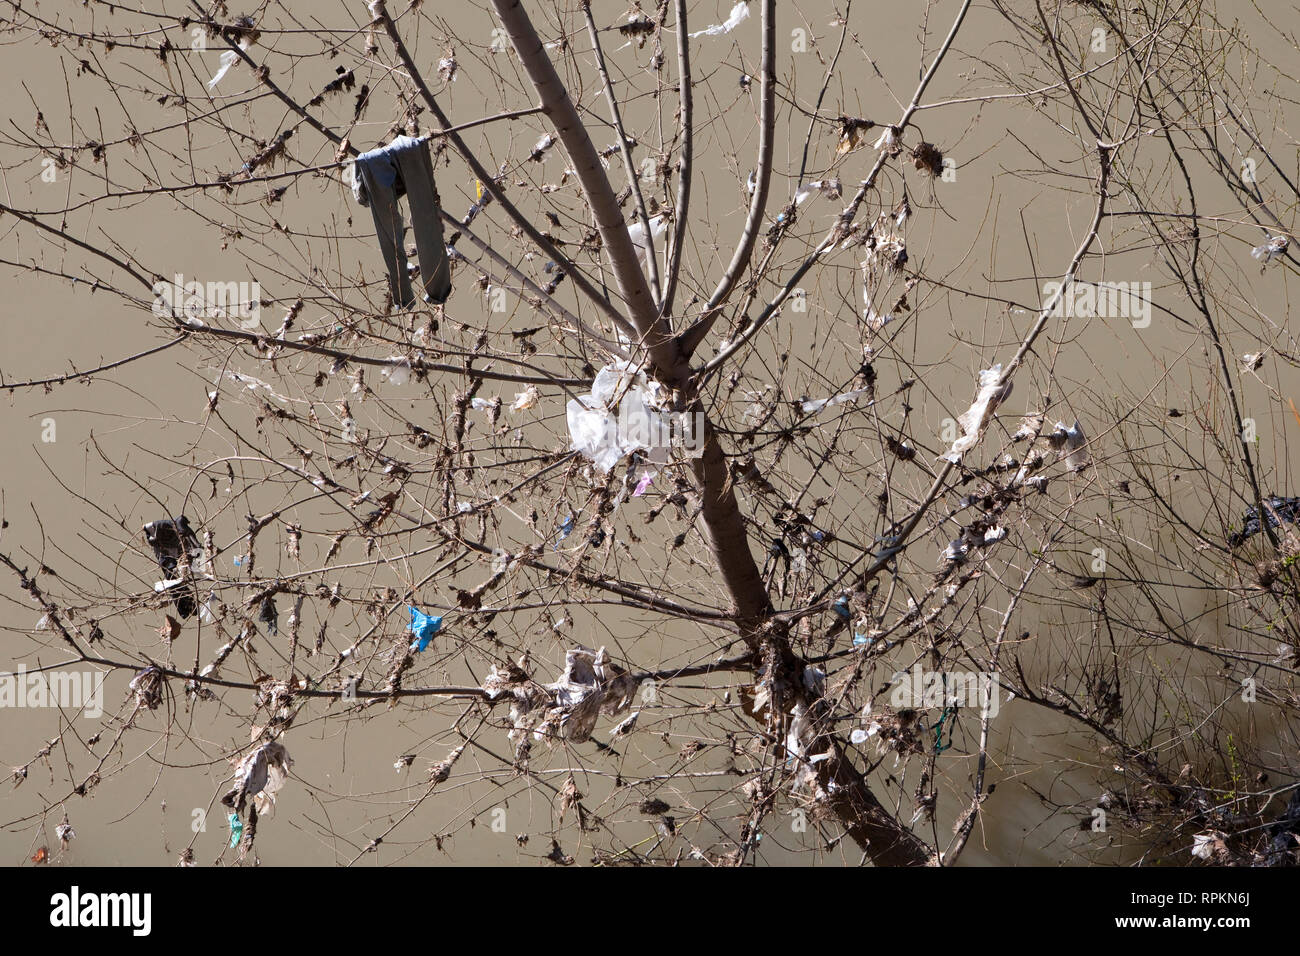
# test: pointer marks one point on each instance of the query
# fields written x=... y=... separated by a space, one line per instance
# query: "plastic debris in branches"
x=626 y=412
x=813 y=406
x=423 y=627
x=1270 y=250
x=830 y=188
x=992 y=393
x=739 y=13
x=1071 y=443
x=643 y=483
x=526 y=399
x=566 y=529
x=1276 y=510
x=590 y=687
x=259 y=777
x=636 y=232
x=174 y=544
x=250 y=36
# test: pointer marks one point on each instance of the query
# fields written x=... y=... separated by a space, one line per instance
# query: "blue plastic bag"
x=423 y=627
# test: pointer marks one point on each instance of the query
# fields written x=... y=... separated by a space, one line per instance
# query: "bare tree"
x=728 y=508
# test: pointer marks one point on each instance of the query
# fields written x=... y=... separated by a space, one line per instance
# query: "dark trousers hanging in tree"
x=382 y=176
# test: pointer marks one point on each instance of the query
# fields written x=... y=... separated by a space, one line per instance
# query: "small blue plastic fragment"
x=565 y=529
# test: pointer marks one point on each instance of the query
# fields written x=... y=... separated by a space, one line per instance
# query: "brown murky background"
x=345 y=789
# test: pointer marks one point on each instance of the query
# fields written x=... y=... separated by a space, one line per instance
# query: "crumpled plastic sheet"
x=1276 y=510
x=636 y=232
x=812 y=406
x=172 y=541
x=801 y=733
x=1270 y=250
x=625 y=413
x=259 y=777
x=228 y=59
x=992 y=393
x=1072 y=444
x=591 y=686
x=739 y=13
x=147 y=685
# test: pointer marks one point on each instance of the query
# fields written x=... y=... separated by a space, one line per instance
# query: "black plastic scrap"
x=170 y=538
x=1277 y=509
x=383 y=175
